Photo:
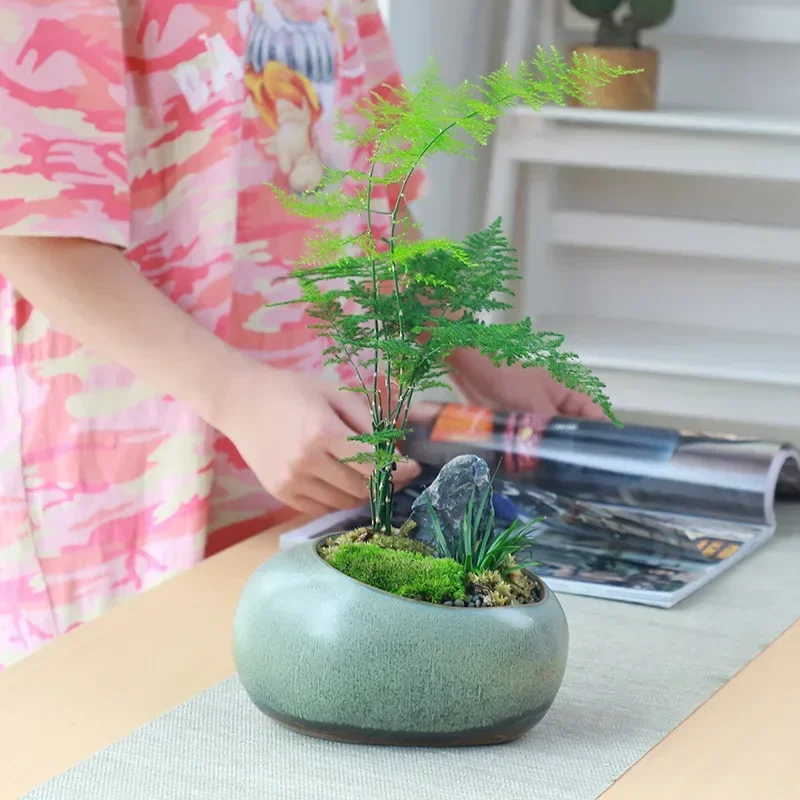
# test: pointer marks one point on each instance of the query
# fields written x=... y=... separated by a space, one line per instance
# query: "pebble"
x=478 y=601
x=471 y=604
x=447 y=603
x=460 y=603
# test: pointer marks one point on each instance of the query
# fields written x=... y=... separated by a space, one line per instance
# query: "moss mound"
x=401 y=572
x=503 y=589
x=397 y=540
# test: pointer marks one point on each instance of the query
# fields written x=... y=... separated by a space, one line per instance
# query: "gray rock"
x=460 y=603
x=449 y=495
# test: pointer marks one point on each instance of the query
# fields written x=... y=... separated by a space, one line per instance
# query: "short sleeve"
x=382 y=76
x=63 y=169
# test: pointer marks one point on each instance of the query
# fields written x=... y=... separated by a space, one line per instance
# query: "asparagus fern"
x=416 y=301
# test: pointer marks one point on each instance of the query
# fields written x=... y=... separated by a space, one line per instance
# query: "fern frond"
x=392 y=305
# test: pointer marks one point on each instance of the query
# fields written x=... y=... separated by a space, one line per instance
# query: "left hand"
x=517 y=389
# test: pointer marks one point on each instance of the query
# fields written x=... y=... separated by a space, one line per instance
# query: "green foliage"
x=438 y=289
x=624 y=30
x=404 y=573
x=596 y=9
x=403 y=543
x=481 y=547
x=511 y=587
x=396 y=540
x=650 y=13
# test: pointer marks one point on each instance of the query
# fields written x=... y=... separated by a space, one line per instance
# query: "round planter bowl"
x=333 y=658
x=629 y=92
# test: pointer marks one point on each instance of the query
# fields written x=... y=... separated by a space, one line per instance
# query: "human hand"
x=516 y=388
x=292 y=431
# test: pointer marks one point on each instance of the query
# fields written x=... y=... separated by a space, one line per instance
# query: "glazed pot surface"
x=334 y=658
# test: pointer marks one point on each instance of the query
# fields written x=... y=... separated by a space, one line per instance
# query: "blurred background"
x=664 y=243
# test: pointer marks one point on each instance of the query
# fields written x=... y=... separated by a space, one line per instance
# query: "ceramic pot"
x=630 y=92
x=334 y=658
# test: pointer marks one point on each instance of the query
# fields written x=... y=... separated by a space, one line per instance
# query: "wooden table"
x=100 y=682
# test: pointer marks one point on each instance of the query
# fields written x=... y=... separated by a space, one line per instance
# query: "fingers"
x=307 y=505
x=354 y=417
x=405 y=473
x=338 y=448
x=342 y=477
x=353 y=410
x=317 y=491
x=580 y=405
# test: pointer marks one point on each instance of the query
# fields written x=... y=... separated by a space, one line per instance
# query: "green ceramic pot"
x=333 y=658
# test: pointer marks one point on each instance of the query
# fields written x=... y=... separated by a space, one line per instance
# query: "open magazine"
x=639 y=514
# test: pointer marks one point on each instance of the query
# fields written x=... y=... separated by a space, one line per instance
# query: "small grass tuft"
x=480 y=547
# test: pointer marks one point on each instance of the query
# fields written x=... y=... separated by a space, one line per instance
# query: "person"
x=153 y=409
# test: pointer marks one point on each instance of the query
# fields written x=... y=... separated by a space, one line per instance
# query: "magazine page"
x=652 y=469
x=589 y=550
x=643 y=515
x=604 y=551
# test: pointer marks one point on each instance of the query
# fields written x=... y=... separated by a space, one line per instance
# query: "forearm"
x=92 y=292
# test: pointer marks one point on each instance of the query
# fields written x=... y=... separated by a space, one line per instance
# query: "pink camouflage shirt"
x=154 y=126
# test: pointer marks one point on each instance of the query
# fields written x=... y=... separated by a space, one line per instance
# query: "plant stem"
x=381 y=484
x=381 y=490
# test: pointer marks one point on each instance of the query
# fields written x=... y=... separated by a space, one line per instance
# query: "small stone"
x=447 y=603
x=458 y=480
x=478 y=601
x=471 y=604
x=460 y=603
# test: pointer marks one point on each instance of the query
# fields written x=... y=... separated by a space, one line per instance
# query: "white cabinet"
x=666 y=245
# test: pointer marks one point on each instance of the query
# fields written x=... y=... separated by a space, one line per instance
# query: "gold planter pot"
x=629 y=92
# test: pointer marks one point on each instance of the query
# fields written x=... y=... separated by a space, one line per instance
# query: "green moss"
x=521 y=585
x=401 y=543
x=401 y=572
x=486 y=581
x=397 y=540
x=503 y=589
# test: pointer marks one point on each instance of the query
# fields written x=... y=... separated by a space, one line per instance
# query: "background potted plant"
x=423 y=631
x=618 y=41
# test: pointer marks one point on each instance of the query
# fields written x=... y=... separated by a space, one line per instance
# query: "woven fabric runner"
x=634 y=674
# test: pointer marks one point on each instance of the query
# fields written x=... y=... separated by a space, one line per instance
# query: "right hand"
x=292 y=431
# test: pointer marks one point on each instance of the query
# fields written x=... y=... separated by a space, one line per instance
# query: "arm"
x=92 y=292
x=63 y=231
x=510 y=388
x=291 y=429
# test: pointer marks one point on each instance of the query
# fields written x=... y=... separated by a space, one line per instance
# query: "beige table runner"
x=634 y=674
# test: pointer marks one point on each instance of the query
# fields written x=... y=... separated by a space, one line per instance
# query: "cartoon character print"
x=290 y=74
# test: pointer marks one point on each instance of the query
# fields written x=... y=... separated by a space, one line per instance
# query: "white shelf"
x=674 y=370
x=686 y=351
x=675 y=236
x=682 y=143
x=719 y=405
x=674 y=119
x=744 y=22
